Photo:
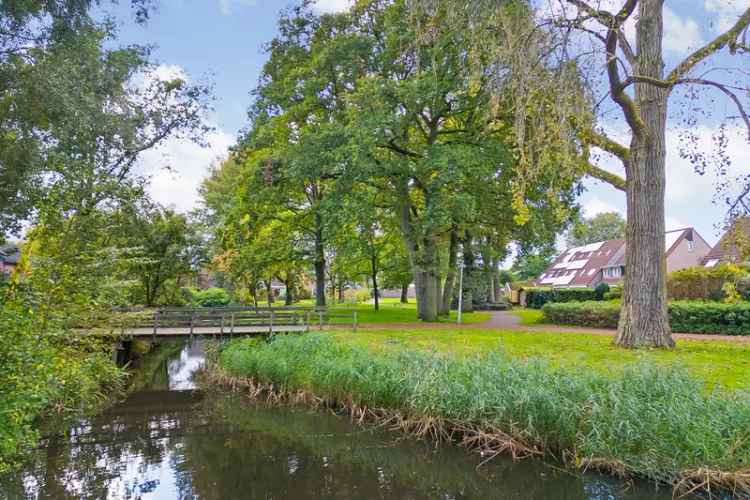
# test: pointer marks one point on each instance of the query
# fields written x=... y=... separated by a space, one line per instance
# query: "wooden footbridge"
x=231 y=321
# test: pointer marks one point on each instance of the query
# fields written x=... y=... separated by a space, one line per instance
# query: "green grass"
x=647 y=420
x=391 y=311
x=717 y=364
x=529 y=317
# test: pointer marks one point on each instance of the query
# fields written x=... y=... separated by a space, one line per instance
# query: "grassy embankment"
x=642 y=420
x=529 y=317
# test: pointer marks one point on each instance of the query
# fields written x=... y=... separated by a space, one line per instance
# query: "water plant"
x=657 y=423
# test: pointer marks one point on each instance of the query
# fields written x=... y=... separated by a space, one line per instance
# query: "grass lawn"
x=529 y=317
x=391 y=311
x=719 y=364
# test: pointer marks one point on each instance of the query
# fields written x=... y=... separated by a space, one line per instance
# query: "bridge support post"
x=270 y=323
x=307 y=321
x=221 y=329
x=192 y=321
x=231 y=327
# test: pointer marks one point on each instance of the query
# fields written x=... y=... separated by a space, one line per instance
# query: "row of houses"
x=604 y=261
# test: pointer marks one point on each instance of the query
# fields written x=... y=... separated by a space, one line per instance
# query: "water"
x=169 y=440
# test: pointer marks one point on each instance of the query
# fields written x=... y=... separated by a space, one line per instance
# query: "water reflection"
x=179 y=443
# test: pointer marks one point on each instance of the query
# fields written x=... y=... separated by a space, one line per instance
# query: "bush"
x=212 y=297
x=710 y=317
x=537 y=297
x=657 y=423
x=596 y=314
x=614 y=293
x=706 y=283
x=684 y=316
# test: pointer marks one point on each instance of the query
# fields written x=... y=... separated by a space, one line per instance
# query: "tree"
x=601 y=227
x=640 y=88
x=38 y=44
x=528 y=266
x=420 y=132
x=167 y=248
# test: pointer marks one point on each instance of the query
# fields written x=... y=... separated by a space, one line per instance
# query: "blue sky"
x=221 y=41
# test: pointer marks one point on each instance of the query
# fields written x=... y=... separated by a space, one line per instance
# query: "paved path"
x=505 y=320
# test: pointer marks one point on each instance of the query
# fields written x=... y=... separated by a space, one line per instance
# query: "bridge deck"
x=183 y=331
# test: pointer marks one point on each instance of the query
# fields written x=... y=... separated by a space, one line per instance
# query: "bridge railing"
x=235 y=318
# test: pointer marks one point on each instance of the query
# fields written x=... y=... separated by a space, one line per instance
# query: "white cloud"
x=725 y=12
x=225 y=6
x=178 y=166
x=596 y=205
x=332 y=5
x=681 y=34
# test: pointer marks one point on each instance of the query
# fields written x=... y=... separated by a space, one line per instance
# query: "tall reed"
x=650 y=422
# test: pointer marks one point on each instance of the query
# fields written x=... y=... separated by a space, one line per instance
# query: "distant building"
x=604 y=261
x=10 y=254
x=726 y=250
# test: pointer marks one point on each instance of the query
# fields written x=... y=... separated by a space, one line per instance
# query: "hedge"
x=706 y=283
x=538 y=296
x=684 y=316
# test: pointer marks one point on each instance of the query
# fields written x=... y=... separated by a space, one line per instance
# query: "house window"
x=712 y=262
x=691 y=246
x=612 y=272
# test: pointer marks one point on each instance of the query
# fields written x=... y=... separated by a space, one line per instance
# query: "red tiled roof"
x=726 y=250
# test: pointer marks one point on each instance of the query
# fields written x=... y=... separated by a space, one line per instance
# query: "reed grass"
x=656 y=423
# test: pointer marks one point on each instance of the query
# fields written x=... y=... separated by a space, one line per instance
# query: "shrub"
x=684 y=316
x=614 y=293
x=710 y=317
x=705 y=283
x=601 y=290
x=657 y=423
x=212 y=297
x=537 y=297
x=597 y=314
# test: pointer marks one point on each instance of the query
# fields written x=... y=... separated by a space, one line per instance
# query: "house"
x=604 y=261
x=10 y=253
x=727 y=249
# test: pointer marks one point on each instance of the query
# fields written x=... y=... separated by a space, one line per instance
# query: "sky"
x=221 y=42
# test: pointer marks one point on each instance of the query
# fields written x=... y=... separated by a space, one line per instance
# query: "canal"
x=170 y=440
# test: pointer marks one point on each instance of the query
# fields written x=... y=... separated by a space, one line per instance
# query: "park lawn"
x=529 y=317
x=721 y=365
x=391 y=311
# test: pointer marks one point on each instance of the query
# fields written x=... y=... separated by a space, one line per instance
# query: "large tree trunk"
x=467 y=304
x=374 y=274
x=320 y=268
x=269 y=293
x=643 y=318
x=405 y=293
x=289 y=290
x=450 y=278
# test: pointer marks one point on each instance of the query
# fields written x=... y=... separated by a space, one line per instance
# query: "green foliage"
x=211 y=297
x=601 y=290
x=710 y=317
x=706 y=283
x=601 y=227
x=684 y=316
x=45 y=369
x=529 y=266
x=613 y=293
x=539 y=296
x=597 y=314
x=587 y=416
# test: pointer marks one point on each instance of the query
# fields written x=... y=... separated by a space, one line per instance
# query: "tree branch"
x=727 y=92
x=730 y=37
x=613 y=180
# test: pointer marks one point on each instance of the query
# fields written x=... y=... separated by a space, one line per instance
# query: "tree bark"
x=289 y=287
x=405 y=294
x=467 y=304
x=643 y=317
x=450 y=278
x=320 y=267
x=374 y=274
x=269 y=293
